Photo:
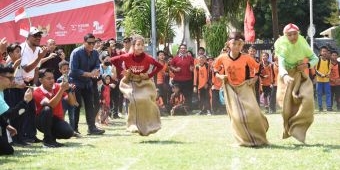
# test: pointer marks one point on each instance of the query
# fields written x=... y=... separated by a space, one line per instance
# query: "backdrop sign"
x=66 y=21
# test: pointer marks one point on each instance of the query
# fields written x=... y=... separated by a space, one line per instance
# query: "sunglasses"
x=90 y=43
x=37 y=35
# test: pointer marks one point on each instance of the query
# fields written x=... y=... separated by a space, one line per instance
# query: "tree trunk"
x=217 y=9
x=275 y=19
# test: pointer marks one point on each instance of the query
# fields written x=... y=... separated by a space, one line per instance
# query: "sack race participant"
x=138 y=87
x=249 y=125
x=295 y=89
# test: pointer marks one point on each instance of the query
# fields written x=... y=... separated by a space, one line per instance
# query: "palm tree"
x=176 y=11
x=197 y=20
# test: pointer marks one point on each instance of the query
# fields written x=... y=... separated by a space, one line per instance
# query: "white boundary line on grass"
x=129 y=163
x=175 y=131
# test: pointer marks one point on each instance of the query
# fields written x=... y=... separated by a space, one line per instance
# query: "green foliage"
x=337 y=35
x=197 y=20
x=325 y=15
x=215 y=36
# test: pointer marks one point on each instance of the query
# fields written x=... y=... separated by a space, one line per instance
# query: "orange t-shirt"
x=334 y=75
x=161 y=74
x=238 y=69
x=275 y=73
x=201 y=76
x=265 y=76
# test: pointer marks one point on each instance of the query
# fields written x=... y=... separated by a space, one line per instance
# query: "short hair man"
x=49 y=110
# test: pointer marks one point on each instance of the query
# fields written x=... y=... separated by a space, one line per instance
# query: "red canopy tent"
x=66 y=21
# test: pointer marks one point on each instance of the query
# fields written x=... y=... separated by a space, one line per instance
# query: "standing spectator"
x=275 y=74
x=126 y=45
x=265 y=79
x=52 y=58
x=31 y=57
x=294 y=87
x=105 y=99
x=201 y=51
x=182 y=66
x=84 y=65
x=139 y=89
x=50 y=117
x=252 y=52
x=202 y=84
x=323 y=69
x=335 y=79
x=162 y=78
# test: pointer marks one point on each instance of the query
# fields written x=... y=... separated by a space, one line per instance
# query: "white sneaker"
x=208 y=113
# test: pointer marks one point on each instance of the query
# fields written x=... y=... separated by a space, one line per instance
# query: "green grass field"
x=185 y=143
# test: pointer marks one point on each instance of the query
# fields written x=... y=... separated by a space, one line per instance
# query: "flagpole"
x=29 y=18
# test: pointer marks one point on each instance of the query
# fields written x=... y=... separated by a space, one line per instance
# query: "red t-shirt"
x=40 y=95
x=184 y=63
x=137 y=64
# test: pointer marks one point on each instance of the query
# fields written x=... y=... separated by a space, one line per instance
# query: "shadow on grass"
x=162 y=142
x=325 y=147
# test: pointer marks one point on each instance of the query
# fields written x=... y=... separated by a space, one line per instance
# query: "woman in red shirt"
x=139 y=89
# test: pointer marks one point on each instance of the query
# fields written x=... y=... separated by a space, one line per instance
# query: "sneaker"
x=329 y=109
x=320 y=109
x=20 y=143
x=95 y=131
x=76 y=135
x=172 y=112
x=52 y=144
x=33 y=140
x=208 y=113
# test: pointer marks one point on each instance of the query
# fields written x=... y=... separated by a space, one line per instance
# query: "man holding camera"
x=53 y=57
x=49 y=110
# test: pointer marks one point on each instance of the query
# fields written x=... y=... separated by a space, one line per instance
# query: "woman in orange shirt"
x=248 y=123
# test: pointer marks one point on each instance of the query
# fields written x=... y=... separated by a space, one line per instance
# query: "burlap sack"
x=249 y=125
x=143 y=113
x=297 y=102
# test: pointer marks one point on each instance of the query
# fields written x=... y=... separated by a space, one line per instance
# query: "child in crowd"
x=202 y=81
x=265 y=79
x=105 y=99
x=177 y=102
x=67 y=107
x=160 y=103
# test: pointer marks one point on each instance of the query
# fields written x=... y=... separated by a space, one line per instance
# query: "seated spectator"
x=6 y=81
x=160 y=103
x=177 y=102
x=49 y=110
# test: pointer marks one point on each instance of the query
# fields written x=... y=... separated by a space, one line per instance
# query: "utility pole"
x=153 y=28
x=311 y=28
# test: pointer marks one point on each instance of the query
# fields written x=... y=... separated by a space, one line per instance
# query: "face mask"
x=108 y=63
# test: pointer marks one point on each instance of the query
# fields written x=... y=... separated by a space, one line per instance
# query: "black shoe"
x=20 y=143
x=95 y=131
x=116 y=116
x=33 y=140
x=330 y=109
x=52 y=144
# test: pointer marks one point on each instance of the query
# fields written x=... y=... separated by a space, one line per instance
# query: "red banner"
x=66 y=21
x=249 y=22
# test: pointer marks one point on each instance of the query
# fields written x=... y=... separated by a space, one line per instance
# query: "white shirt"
x=27 y=57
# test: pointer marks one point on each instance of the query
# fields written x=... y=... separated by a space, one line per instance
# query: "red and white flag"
x=20 y=14
x=24 y=29
x=249 y=23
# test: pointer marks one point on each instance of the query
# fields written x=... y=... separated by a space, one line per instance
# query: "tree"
x=215 y=36
x=197 y=20
x=175 y=11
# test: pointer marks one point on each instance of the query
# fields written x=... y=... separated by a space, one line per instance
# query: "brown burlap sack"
x=143 y=113
x=297 y=102
x=249 y=125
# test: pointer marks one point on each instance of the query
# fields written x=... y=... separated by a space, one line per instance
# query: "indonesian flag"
x=24 y=29
x=249 y=22
x=20 y=14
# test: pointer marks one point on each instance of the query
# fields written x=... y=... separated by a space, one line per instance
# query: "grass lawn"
x=187 y=142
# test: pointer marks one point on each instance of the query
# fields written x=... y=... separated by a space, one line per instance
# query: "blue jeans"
x=70 y=110
x=324 y=88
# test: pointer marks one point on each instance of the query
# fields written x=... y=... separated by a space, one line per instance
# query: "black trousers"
x=216 y=104
x=187 y=90
x=87 y=95
x=272 y=101
x=335 y=96
x=5 y=147
x=52 y=127
x=204 y=99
